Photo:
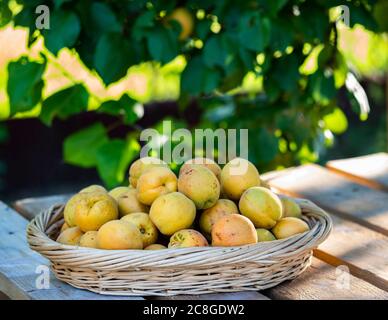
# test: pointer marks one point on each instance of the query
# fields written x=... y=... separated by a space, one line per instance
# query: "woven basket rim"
x=319 y=231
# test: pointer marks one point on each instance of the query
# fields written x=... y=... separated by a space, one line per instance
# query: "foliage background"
x=276 y=67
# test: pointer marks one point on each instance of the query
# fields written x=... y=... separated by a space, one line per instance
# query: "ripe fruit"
x=237 y=176
x=93 y=188
x=128 y=203
x=117 y=192
x=172 y=212
x=264 y=235
x=146 y=227
x=261 y=206
x=119 y=234
x=207 y=163
x=155 y=246
x=291 y=208
x=187 y=238
x=184 y=18
x=211 y=215
x=69 y=211
x=64 y=227
x=70 y=236
x=155 y=182
x=141 y=165
x=89 y=239
x=199 y=184
x=288 y=227
x=93 y=209
x=233 y=230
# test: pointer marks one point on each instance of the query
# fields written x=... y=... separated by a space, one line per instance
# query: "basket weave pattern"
x=169 y=272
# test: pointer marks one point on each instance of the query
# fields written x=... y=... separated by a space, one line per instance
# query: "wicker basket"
x=169 y=272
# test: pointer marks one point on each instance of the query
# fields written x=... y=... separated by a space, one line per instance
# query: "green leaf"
x=336 y=121
x=162 y=44
x=202 y=28
x=5 y=14
x=113 y=159
x=25 y=84
x=285 y=71
x=65 y=103
x=322 y=86
x=380 y=10
x=273 y=6
x=197 y=78
x=113 y=57
x=64 y=30
x=341 y=71
x=281 y=35
x=264 y=146
x=59 y=3
x=124 y=107
x=80 y=148
x=214 y=52
x=359 y=14
x=103 y=18
x=254 y=32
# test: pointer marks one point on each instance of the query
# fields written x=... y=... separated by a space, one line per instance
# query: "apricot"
x=93 y=209
x=289 y=226
x=93 y=188
x=200 y=185
x=146 y=227
x=155 y=182
x=172 y=212
x=185 y=19
x=64 y=227
x=291 y=208
x=119 y=235
x=233 y=230
x=118 y=191
x=89 y=239
x=69 y=210
x=261 y=206
x=70 y=236
x=155 y=246
x=187 y=238
x=128 y=203
x=237 y=176
x=141 y=165
x=212 y=214
x=264 y=235
x=207 y=163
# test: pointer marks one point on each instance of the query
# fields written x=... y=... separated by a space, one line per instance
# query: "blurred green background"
x=74 y=98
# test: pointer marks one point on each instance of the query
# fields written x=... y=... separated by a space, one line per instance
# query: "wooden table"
x=354 y=191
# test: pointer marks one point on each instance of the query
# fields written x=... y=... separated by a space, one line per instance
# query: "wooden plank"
x=336 y=194
x=245 y=295
x=371 y=170
x=30 y=207
x=362 y=249
x=18 y=264
x=323 y=282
